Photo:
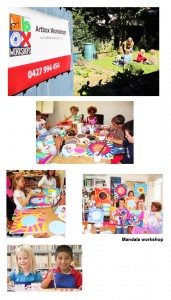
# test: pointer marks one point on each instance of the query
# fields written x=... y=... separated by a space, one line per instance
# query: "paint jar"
x=20 y=287
x=97 y=158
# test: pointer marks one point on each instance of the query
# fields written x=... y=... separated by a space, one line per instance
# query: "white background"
x=111 y=268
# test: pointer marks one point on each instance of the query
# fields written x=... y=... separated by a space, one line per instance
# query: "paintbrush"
x=54 y=278
x=102 y=149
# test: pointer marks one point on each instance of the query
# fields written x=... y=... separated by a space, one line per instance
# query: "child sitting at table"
x=141 y=56
x=122 y=226
x=41 y=126
x=48 y=181
x=92 y=119
x=64 y=275
x=19 y=197
x=74 y=114
x=117 y=124
x=25 y=272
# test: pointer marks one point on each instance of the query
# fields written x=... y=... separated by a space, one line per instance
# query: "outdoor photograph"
x=92 y=51
x=116 y=51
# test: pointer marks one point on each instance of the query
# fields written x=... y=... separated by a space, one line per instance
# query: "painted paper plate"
x=67 y=149
x=57 y=227
x=78 y=151
x=84 y=141
x=107 y=152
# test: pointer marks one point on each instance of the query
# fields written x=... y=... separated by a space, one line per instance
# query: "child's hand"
x=50 y=276
x=80 y=288
x=31 y=192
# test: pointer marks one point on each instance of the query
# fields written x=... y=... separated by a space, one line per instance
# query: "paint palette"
x=57 y=227
x=28 y=222
x=78 y=151
x=38 y=202
x=107 y=152
x=48 y=192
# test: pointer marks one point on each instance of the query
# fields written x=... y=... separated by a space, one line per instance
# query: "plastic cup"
x=97 y=158
x=20 y=287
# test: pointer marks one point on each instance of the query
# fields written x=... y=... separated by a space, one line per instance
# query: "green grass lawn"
x=107 y=63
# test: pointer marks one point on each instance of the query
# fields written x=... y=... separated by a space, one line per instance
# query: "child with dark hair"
x=64 y=276
x=117 y=125
x=122 y=227
x=92 y=118
x=128 y=143
x=41 y=126
x=153 y=220
x=48 y=181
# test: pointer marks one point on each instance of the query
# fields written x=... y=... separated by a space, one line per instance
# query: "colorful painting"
x=102 y=195
x=28 y=222
x=48 y=192
x=120 y=190
x=118 y=216
x=131 y=202
x=107 y=152
x=95 y=215
x=136 y=218
x=43 y=158
x=40 y=201
x=153 y=222
x=140 y=189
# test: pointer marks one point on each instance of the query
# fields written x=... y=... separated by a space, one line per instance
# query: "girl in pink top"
x=92 y=119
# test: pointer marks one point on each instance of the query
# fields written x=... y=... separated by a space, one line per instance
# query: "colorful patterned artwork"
x=153 y=222
x=131 y=202
x=102 y=195
x=48 y=192
x=107 y=152
x=40 y=201
x=120 y=190
x=140 y=189
x=95 y=215
x=136 y=218
x=118 y=216
x=28 y=222
x=43 y=158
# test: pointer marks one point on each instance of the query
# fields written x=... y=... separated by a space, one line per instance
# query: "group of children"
x=63 y=276
x=125 y=51
x=123 y=132
x=151 y=221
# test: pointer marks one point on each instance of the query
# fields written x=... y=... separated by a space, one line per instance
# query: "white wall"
x=108 y=108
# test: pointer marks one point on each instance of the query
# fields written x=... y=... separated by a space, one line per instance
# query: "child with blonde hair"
x=141 y=56
x=153 y=58
x=25 y=272
x=74 y=114
x=19 y=197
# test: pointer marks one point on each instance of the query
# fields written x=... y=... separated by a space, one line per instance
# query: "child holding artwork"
x=19 y=196
x=41 y=126
x=153 y=220
x=74 y=114
x=122 y=226
x=25 y=272
x=141 y=56
x=92 y=201
x=48 y=181
x=117 y=124
x=92 y=119
x=138 y=218
x=64 y=275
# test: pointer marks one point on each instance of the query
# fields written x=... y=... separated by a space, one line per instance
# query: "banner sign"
x=39 y=48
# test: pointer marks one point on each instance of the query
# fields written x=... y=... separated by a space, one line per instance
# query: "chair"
x=100 y=118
